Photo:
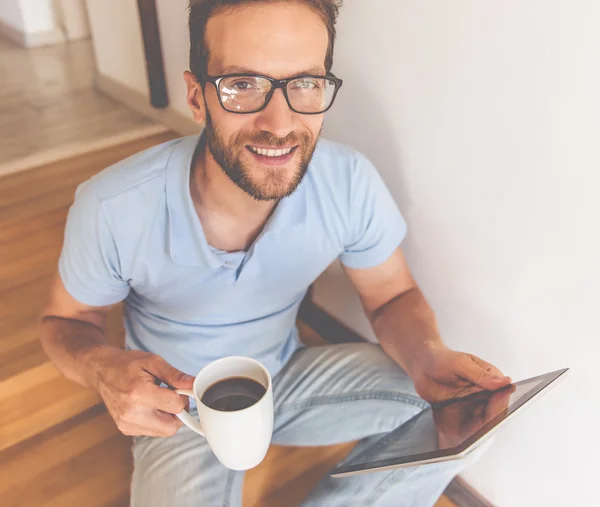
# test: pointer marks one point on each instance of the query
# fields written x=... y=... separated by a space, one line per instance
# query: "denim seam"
x=378 y=395
x=392 y=479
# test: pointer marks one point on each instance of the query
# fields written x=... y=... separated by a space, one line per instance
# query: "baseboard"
x=463 y=495
x=31 y=40
x=334 y=331
x=141 y=103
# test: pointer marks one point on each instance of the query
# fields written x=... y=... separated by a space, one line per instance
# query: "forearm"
x=406 y=327
x=70 y=345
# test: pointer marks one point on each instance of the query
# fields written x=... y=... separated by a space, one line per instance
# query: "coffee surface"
x=234 y=393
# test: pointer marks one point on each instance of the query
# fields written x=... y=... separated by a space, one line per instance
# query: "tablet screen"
x=448 y=428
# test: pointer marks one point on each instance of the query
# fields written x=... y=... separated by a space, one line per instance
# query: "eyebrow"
x=236 y=69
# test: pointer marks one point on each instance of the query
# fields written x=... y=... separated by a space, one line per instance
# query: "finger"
x=451 y=392
x=469 y=369
x=171 y=376
x=160 y=398
x=467 y=390
x=158 y=424
x=149 y=422
x=489 y=367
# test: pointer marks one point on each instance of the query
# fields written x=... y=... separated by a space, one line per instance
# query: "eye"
x=306 y=84
x=243 y=85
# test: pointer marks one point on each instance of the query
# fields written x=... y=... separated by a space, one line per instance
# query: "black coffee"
x=234 y=393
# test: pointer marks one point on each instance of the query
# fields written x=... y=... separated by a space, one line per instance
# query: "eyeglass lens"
x=248 y=94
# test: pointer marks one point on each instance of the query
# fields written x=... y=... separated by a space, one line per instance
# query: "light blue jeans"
x=324 y=395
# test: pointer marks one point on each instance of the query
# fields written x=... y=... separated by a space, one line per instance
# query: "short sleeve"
x=89 y=262
x=376 y=227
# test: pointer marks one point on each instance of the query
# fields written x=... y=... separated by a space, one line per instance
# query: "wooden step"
x=24 y=300
x=30 y=258
x=84 y=461
x=33 y=394
x=47 y=179
x=20 y=230
x=50 y=400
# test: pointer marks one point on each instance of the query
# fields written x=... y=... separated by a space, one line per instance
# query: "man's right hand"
x=128 y=383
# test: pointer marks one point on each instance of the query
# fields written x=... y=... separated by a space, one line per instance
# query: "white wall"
x=44 y=22
x=485 y=127
x=11 y=14
x=38 y=16
x=30 y=17
x=73 y=19
x=118 y=43
x=174 y=37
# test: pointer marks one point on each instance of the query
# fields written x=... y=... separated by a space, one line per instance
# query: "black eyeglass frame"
x=275 y=84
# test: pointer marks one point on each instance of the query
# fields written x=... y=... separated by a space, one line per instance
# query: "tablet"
x=448 y=430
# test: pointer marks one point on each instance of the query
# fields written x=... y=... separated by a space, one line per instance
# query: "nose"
x=277 y=118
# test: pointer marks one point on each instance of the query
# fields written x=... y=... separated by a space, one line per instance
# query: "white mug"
x=240 y=439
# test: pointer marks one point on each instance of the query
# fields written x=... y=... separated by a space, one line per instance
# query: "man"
x=212 y=242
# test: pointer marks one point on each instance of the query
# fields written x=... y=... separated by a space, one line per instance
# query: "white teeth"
x=271 y=153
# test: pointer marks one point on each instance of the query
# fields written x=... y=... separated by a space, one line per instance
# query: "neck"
x=214 y=193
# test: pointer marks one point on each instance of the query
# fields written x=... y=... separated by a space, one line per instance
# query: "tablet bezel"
x=456 y=452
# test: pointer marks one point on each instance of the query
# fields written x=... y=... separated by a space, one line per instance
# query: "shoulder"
x=137 y=173
x=339 y=169
x=332 y=156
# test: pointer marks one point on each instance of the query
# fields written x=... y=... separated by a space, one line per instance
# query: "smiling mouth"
x=270 y=152
x=270 y=156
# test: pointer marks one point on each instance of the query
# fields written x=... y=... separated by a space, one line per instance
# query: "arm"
x=73 y=336
x=406 y=327
x=396 y=308
x=71 y=332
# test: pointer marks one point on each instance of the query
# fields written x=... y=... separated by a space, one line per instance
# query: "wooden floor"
x=58 y=445
x=49 y=107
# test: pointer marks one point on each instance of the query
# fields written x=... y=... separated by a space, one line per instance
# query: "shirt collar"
x=187 y=243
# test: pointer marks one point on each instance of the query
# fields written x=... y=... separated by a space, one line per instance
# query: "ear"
x=195 y=97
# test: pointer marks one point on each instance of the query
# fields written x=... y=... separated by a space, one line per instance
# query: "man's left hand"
x=441 y=374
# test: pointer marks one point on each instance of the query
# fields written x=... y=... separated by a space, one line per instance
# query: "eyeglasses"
x=251 y=93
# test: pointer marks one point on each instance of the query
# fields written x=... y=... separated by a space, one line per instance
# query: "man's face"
x=279 y=41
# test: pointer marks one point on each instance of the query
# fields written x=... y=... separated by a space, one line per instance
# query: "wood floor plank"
x=49 y=178
x=49 y=104
x=20 y=230
x=31 y=412
x=19 y=359
x=25 y=299
x=288 y=474
x=35 y=242
x=39 y=264
x=17 y=332
x=22 y=466
x=27 y=380
x=84 y=479
x=122 y=501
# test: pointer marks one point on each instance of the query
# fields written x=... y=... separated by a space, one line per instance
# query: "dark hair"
x=202 y=10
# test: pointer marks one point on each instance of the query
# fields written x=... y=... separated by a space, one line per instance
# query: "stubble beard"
x=276 y=184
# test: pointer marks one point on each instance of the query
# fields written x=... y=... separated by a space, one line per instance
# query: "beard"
x=276 y=183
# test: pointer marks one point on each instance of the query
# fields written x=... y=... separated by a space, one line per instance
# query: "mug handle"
x=185 y=417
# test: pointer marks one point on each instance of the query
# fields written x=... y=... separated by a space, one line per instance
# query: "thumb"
x=469 y=369
x=169 y=374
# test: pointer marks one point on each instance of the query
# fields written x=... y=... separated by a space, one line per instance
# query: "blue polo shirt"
x=133 y=235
